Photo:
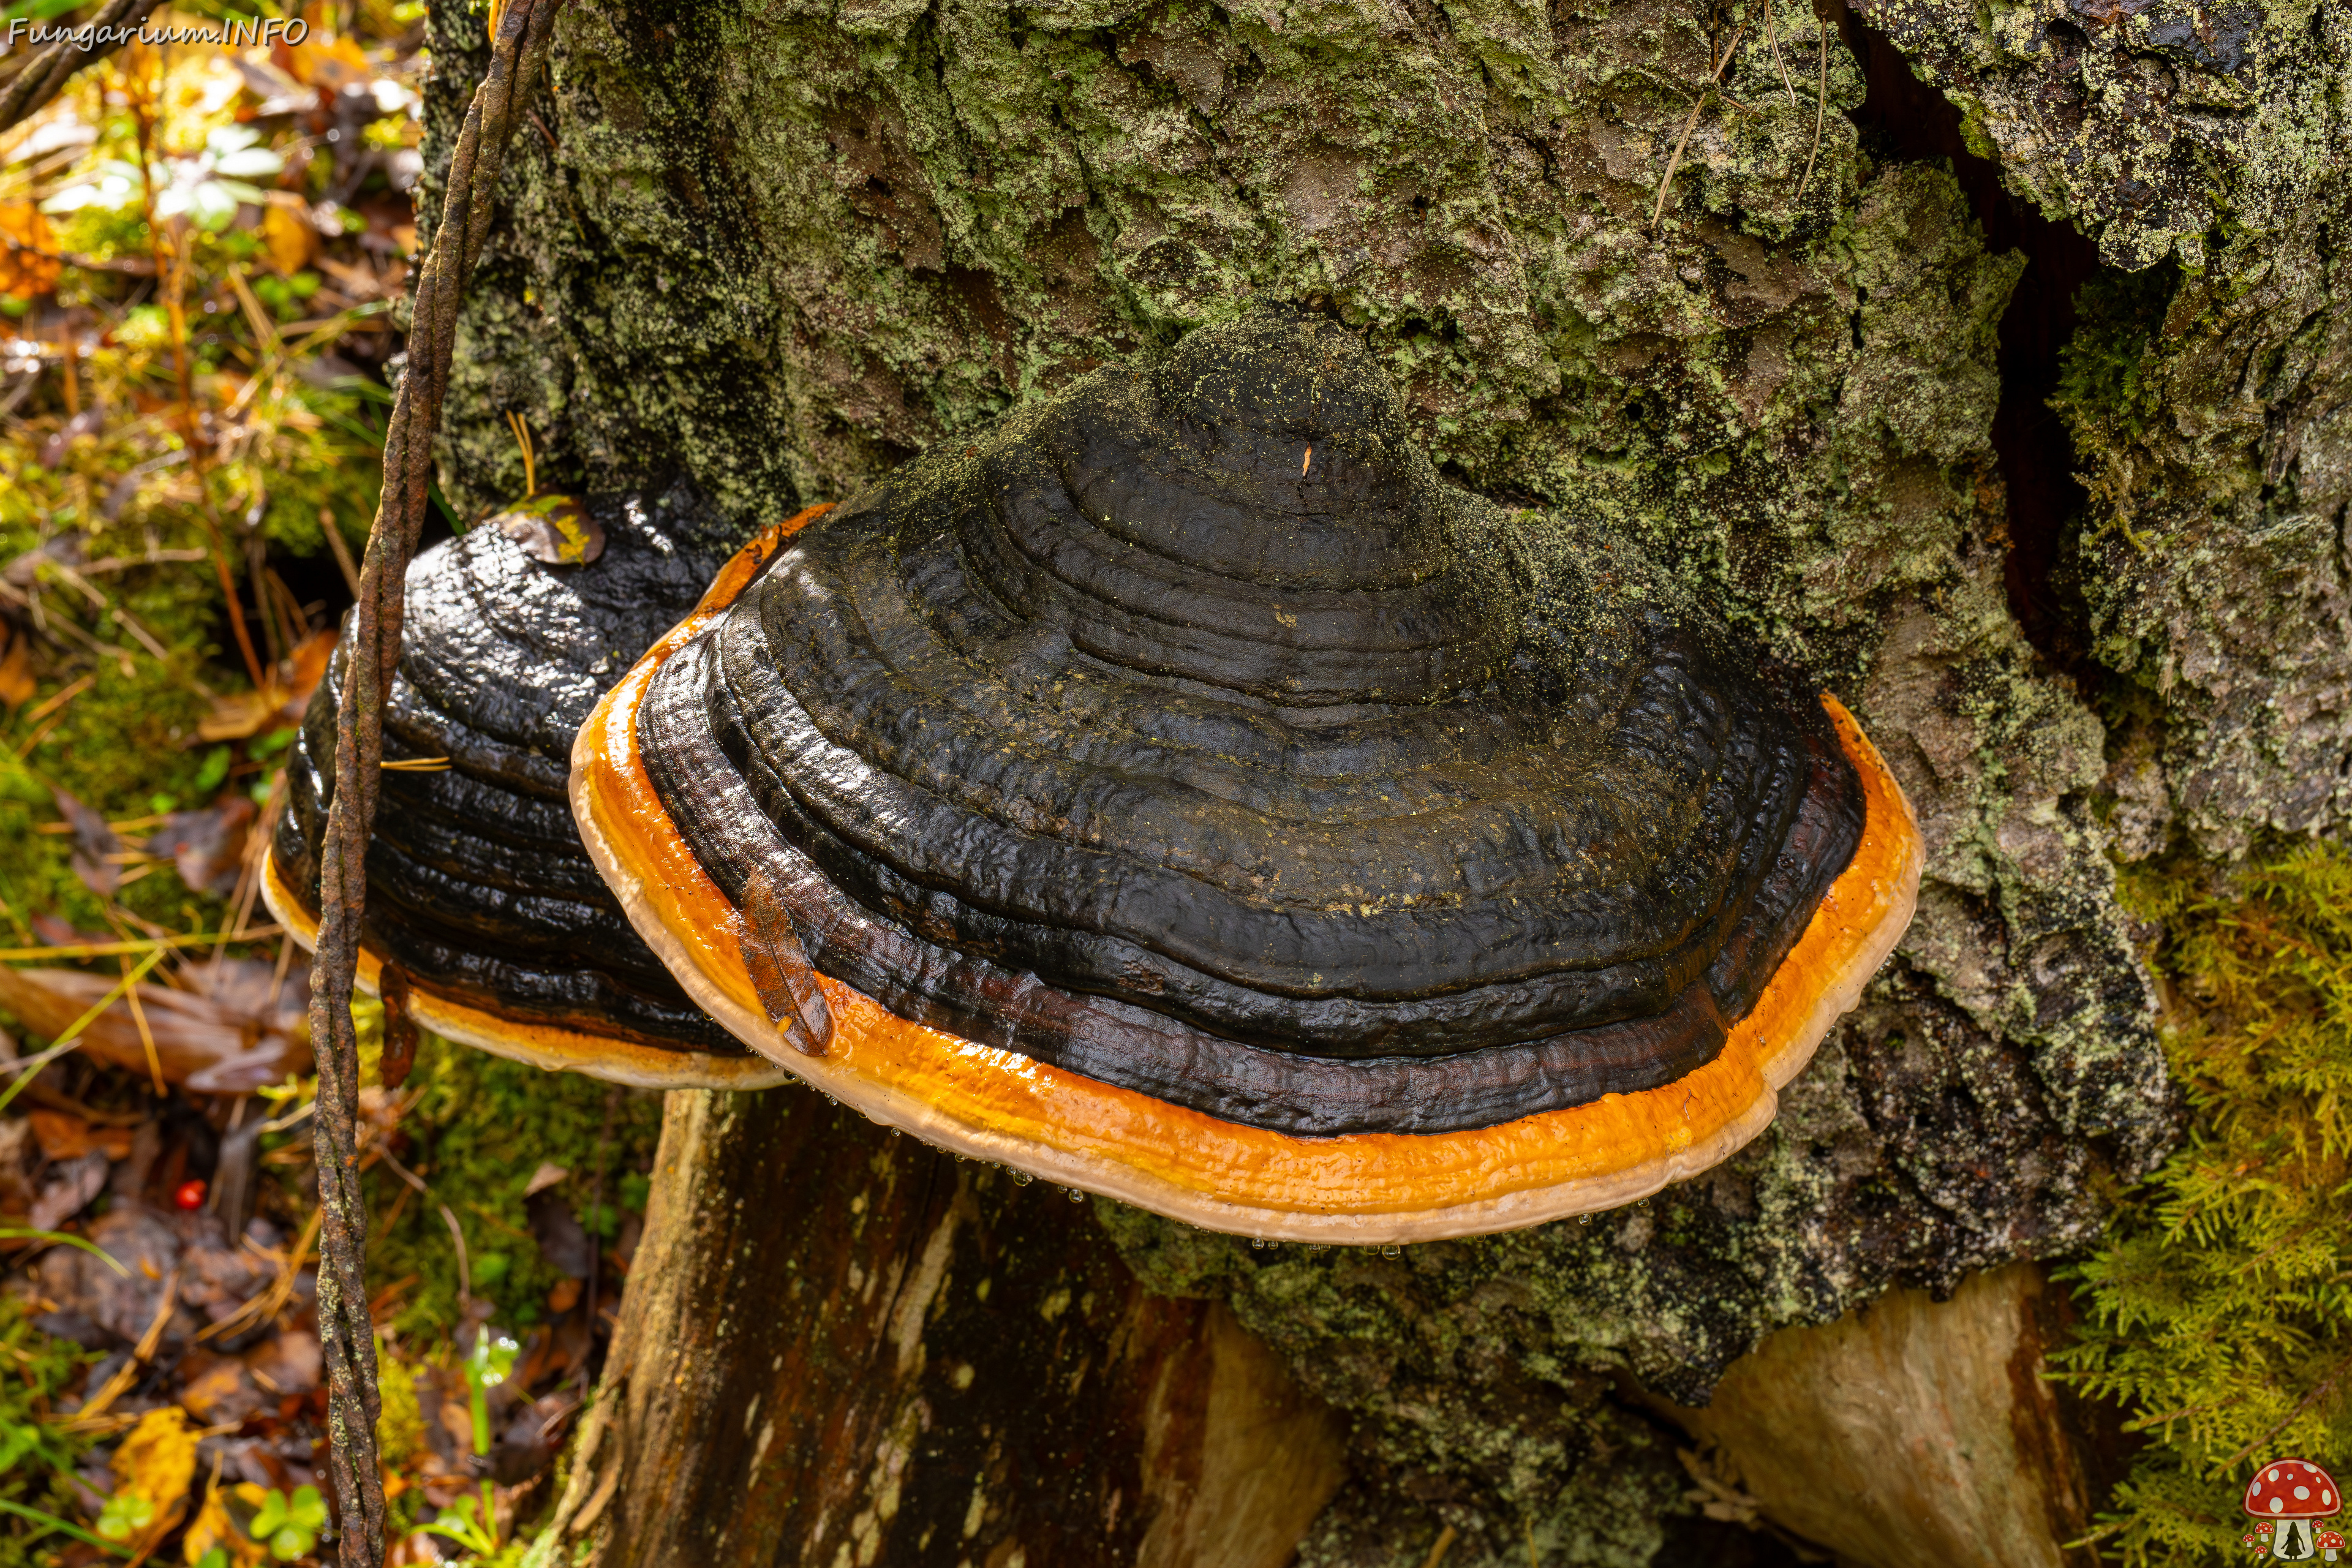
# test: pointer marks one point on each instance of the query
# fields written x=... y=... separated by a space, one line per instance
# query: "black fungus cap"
x=1193 y=734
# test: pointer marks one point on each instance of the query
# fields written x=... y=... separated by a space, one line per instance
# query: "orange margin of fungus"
x=1357 y=1189
x=547 y=1046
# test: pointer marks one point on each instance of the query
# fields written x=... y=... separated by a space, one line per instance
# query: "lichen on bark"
x=782 y=246
x=2206 y=148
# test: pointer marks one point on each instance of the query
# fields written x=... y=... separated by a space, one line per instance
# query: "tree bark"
x=839 y=1346
x=1785 y=296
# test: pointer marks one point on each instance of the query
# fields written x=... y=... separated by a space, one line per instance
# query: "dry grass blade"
x=90 y=1417
x=1772 y=41
x=1821 y=109
x=146 y=1036
x=265 y=1306
x=1658 y=212
x=136 y=944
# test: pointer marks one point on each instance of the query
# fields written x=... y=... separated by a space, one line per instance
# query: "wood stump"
x=841 y=1347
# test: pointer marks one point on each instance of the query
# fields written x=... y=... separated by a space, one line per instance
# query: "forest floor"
x=205 y=254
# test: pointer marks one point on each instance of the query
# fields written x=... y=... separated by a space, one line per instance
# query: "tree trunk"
x=839 y=1345
x=1787 y=297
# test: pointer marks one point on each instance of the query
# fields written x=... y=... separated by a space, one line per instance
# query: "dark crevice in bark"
x=1904 y=118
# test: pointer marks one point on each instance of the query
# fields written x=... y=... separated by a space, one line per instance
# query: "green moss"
x=479 y=1130
x=400 y=1424
x=2103 y=390
x=2219 y=1311
x=35 y=1458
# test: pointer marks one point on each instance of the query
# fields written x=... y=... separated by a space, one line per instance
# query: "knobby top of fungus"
x=1185 y=795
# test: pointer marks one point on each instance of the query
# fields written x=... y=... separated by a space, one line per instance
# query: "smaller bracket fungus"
x=1184 y=795
x=478 y=887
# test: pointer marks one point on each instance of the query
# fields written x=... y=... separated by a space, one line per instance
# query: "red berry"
x=190 y=1197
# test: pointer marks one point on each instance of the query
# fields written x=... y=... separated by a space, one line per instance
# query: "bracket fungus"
x=478 y=887
x=1183 y=795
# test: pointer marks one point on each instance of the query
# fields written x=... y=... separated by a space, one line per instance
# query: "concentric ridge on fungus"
x=1186 y=796
x=477 y=885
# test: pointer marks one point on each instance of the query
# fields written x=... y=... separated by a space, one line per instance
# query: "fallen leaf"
x=554 y=529
x=290 y=235
x=19 y=1148
x=328 y=66
x=51 y=932
x=563 y=1240
x=124 y=1305
x=253 y=986
x=305 y=668
x=213 y=1527
x=158 y=1460
x=93 y=842
x=24 y=269
x=15 y=664
x=207 y=847
x=291 y=1362
x=199 y=1042
x=61 y=1137
x=218 y=1390
x=279 y=701
x=67 y=1191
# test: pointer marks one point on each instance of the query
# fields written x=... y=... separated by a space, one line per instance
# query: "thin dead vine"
x=345 y=1330
x=1820 y=108
x=1772 y=41
x=1658 y=213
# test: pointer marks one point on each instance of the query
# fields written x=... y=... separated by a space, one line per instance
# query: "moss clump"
x=2103 y=389
x=35 y=1457
x=2219 y=1309
x=479 y=1129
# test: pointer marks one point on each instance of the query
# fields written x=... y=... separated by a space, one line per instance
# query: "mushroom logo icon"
x=2289 y=1496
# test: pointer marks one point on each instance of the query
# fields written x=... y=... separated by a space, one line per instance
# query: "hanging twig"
x=1676 y=161
x=345 y=1330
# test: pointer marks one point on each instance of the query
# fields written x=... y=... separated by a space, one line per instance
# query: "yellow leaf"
x=158 y=1460
x=288 y=229
x=24 y=271
x=213 y=1527
x=330 y=67
x=15 y=664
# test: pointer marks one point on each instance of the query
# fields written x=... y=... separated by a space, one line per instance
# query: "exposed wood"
x=839 y=1346
x=1914 y=1431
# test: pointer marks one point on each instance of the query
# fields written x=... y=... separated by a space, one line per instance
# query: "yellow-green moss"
x=2220 y=1305
x=35 y=1456
x=482 y=1127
